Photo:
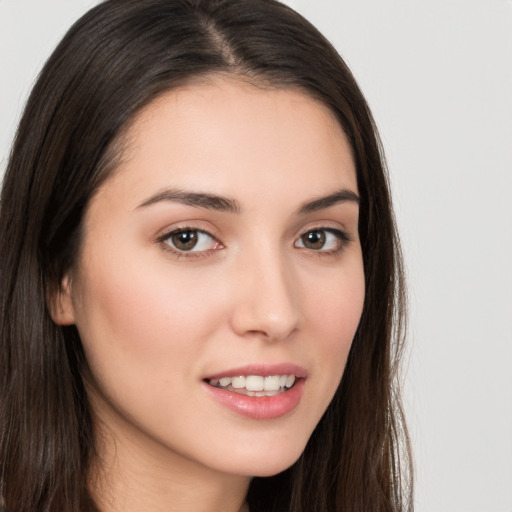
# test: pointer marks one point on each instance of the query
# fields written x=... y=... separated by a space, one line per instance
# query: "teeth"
x=256 y=385
x=238 y=382
x=272 y=383
x=225 y=381
x=290 y=380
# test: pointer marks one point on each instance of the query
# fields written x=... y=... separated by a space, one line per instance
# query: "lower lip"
x=259 y=408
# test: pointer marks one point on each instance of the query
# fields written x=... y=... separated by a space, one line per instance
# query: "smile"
x=254 y=385
x=258 y=391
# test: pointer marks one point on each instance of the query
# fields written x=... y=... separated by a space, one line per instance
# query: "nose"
x=267 y=298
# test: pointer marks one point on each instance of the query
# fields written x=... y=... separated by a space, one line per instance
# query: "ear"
x=60 y=303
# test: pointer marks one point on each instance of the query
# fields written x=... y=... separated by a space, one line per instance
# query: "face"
x=220 y=280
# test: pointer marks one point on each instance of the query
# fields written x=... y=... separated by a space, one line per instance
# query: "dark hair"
x=115 y=60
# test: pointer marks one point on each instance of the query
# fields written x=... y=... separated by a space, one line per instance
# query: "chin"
x=264 y=462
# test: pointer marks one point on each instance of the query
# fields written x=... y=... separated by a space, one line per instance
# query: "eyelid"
x=344 y=238
x=184 y=227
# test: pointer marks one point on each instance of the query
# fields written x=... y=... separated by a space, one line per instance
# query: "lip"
x=260 y=408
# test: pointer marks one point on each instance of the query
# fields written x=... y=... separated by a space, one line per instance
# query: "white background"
x=438 y=76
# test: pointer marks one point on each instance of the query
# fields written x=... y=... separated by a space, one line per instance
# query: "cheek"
x=335 y=300
x=152 y=322
x=334 y=311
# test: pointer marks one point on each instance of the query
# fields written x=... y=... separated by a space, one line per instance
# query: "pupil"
x=185 y=240
x=314 y=239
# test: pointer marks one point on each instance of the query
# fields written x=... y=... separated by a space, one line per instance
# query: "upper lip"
x=265 y=370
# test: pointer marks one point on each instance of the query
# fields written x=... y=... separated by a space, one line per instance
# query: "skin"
x=155 y=322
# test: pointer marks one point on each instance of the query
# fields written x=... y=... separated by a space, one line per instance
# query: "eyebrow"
x=225 y=204
x=196 y=199
x=341 y=196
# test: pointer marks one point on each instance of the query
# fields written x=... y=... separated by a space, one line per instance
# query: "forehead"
x=225 y=135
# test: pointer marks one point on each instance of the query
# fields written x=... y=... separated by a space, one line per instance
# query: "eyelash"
x=343 y=238
x=164 y=242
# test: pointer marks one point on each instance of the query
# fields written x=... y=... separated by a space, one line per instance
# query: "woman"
x=200 y=272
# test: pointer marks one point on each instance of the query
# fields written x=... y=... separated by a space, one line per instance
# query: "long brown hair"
x=114 y=61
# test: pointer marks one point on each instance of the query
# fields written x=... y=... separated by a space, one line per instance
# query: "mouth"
x=255 y=385
x=258 y=391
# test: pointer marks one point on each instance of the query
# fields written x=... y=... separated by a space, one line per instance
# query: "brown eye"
x=184 y=240
x=314 y=240
x=323 y=240
x=190 y=240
